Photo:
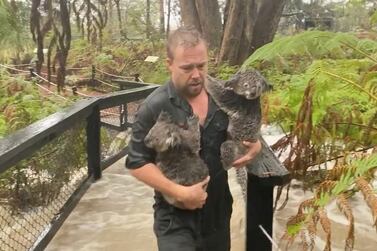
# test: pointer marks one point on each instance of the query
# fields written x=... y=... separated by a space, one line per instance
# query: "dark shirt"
x=217 y=210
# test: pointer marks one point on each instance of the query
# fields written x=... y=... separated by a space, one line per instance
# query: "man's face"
x=188 y=69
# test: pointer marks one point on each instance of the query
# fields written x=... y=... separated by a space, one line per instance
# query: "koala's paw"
x=228 y=153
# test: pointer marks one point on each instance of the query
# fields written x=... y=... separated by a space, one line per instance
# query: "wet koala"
x=177 y=151
x=239 y=98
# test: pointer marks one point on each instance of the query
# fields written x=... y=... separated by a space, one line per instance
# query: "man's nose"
x=195 y=73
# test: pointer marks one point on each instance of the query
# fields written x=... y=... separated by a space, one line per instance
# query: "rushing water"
x=116 y=214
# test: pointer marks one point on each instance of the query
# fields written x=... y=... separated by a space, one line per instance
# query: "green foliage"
x=325 y=99
x=122 y=58
x=373 y=18
x=39 y=180
x=21 y=104
x=327 y=60
x=14 y=30
x=225 y=71
x=294 y=54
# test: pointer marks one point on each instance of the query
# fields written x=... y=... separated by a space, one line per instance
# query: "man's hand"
x=253 y=149
x=193 y=197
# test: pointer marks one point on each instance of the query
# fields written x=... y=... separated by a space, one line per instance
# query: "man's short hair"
x=183 y=36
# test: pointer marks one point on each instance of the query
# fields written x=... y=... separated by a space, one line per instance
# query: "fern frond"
x=325 y=187
x=326 y=226
x=369 y=196
x=339 y=170
x=306 y=241
x=365 y=164
x=309 y=203
x=288 y=238
x=308 y=235
x=345 y=208
x=360 y=88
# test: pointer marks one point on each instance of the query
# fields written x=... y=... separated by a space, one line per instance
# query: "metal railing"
x=46 y=167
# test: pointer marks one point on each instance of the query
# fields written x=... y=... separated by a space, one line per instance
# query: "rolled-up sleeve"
x=138 y=153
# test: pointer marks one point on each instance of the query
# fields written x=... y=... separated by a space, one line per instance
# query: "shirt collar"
x=176 y=99
x=181 y=102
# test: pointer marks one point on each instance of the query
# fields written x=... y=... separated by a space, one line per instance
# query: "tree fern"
x=324 y=88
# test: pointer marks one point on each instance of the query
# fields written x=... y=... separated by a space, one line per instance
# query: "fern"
x=325 y=99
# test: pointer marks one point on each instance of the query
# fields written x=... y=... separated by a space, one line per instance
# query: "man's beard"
x=192 y=88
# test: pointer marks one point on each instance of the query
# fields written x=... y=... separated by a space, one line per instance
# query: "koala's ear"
x=265 y=85
x=231 y=83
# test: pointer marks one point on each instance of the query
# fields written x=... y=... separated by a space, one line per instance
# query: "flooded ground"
x=116 y=214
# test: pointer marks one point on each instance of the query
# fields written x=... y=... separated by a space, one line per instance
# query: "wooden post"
x=93 y=80
x=31 y=70
x=123 y=116
x=93 y=147
x=259 y=211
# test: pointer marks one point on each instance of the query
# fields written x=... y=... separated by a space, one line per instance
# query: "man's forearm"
x=151 y=175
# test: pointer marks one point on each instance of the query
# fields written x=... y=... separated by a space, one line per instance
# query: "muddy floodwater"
x=116 y=214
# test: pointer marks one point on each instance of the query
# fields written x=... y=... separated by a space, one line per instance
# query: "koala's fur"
x=239 y=98
x=177 y=150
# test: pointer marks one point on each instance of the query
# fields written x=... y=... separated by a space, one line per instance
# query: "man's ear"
x=232 y=82
x=169 y=62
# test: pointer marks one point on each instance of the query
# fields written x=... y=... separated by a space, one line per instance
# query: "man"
x=204 y=224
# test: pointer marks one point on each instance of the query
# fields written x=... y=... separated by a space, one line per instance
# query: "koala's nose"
x=254 y=90
x=147 y=140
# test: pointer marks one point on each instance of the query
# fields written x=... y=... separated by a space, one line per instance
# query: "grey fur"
x=244 y=111
x=239 y=98
x=177 y=150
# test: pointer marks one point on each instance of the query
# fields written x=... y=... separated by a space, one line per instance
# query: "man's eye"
x=187 y=68
x=201 y=66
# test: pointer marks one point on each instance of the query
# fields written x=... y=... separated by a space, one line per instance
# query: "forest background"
x=321 y=57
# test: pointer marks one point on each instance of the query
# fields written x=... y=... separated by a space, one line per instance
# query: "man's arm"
x=191 y=197
x=253 y=149
x=140 y=162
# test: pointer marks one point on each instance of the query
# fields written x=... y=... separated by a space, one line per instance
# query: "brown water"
x=116 y=214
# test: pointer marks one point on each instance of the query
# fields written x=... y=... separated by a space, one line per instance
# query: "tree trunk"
x=168 y=17
x=49 y=54
x=210 y=21
x=162 y=18
x=88 y=20
x=189 y=14
x=249 y=24
x=248 y=28
x=64 y=42
x=120 y=25
x=269 y=14
x=148 y=10
x=233 y=31
x=35 y=27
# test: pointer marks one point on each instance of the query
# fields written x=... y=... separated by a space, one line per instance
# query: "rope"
x=44 y=88
x=46 y=74
x=112 y=75
x=11 y=68
x=103 y=82
x=79 y=93
x=20 y=65
x=77 y=68
x=36 y=74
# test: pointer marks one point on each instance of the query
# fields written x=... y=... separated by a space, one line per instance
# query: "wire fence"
x=34 y=190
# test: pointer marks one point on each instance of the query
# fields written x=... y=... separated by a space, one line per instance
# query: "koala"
x=177 y=151
x=239 y=98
